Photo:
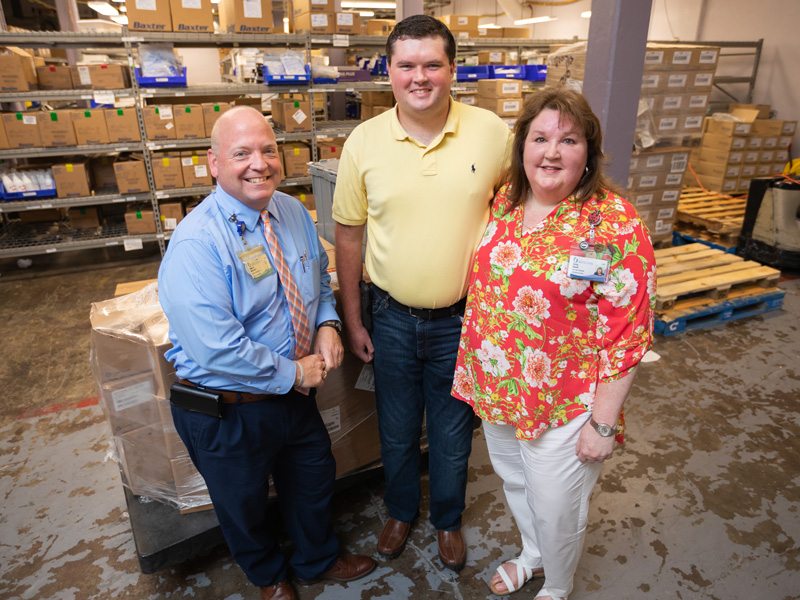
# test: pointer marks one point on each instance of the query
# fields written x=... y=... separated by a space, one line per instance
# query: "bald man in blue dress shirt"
x=234 y=342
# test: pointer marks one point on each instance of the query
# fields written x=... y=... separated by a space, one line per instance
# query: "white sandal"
x=543 y=593
x=524 y=575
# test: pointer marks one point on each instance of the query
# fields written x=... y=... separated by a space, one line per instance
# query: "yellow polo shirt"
x=425 y=207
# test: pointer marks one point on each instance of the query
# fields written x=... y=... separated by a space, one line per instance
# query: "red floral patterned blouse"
x=536 y=342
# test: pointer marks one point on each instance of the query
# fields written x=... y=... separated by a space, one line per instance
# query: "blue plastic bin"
x=507 y=71
x=535 y=72
x=179 y=81
x=285 y=79
x=472 y=73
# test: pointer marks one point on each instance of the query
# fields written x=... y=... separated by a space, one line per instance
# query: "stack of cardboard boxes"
x=462 y=26
x=375 y=103
x=319 y=16
x=291 y=115
x=503 y=97
x=739 y=146
x=654 y=187
x=186 y=16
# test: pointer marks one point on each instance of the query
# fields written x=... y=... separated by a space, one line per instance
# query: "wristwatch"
x=337 y=325
x=602 y=428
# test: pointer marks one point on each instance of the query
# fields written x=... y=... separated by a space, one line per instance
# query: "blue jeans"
x=415 y=360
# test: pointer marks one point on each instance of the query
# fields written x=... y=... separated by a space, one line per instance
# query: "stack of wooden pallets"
x=720 y=216
x=700 y=286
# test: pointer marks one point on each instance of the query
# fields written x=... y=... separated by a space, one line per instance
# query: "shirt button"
x=279 y=390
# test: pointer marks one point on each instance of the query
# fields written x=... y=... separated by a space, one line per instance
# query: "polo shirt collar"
x=229 y=205
x=450 y=125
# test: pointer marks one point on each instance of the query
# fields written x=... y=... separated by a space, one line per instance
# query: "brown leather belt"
x=230 y=397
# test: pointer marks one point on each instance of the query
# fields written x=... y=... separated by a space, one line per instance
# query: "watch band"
x=602 y=429
x=337 y=325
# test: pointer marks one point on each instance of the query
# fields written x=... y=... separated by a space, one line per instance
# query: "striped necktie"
x=302 y=329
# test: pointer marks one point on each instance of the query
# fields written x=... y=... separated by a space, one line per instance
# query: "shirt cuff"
x=326 y=312
x=287 y=373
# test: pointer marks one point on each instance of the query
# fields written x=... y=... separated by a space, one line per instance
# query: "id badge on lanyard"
x=254 y=259
x=587 y=259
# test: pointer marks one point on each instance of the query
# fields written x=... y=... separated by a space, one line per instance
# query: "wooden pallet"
x=697 y=274
x=715 y=213
x=739 y=305
x=693 y=233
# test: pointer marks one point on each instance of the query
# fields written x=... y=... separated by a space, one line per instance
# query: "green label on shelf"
x=138 y=214
x=120 y=112
x=156 y=110
x=216 y=108
x=19 y=116
x=188 y=109
x=54 y=116
x=296 y=104
x=87 y=113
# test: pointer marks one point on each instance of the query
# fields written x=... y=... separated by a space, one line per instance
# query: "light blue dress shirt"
x=229 y=331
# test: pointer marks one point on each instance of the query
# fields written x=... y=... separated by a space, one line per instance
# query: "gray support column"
x=613 y=75
x=406 y=8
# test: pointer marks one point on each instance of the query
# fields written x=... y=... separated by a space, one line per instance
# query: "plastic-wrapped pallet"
x=128 y=341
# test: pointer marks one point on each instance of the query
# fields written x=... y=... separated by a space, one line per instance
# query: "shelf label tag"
x=104 y=97
x=341 y=41
x=133 y=244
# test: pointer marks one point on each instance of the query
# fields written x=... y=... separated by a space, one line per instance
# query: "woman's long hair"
x=573 y=106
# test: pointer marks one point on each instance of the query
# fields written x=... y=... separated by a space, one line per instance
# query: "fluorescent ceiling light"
x=121 y=19
x=587 y=14
x=214 y=1
x=366 y=13
x=368 y=4
x=285 y=24
x=490 y=26
x=104 y=8
x=534 y=20
x=120 y=1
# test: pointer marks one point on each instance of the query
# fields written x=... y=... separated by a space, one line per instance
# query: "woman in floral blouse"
x=559 y=312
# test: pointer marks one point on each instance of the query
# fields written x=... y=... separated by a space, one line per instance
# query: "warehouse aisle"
x=701 y=502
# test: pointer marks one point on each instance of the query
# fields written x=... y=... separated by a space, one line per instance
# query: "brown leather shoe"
x=280 y=591
x=452 y=549
x=348 y=567
x=393 y=538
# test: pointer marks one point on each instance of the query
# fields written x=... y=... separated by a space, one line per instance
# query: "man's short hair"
x=417 y=27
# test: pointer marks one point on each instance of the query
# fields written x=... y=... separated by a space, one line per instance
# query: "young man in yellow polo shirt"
x=420 y=177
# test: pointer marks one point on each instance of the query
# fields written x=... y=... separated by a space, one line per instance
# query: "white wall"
x=774 y=21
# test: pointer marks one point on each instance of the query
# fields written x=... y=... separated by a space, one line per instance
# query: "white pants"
x=547 y=489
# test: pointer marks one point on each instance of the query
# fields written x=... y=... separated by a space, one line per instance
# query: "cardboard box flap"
x=744 y=115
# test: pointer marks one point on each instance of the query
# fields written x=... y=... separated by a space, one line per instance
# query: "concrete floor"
x=703 y=501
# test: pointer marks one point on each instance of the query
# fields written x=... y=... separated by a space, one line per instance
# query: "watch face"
x=604 y=430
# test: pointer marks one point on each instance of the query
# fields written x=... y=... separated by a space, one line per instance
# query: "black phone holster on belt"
x=366 y=304
x=196 y=399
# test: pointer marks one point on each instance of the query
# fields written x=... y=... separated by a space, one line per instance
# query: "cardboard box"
x=763 y=109
x=72 y=180
x=660 y=197
x=195 y=169
x=189 y=123
x=680 y=56
x=502 y=107
x=725 y=157
x=678 y=124
x=491 y=57
x=770 y=142
x=767 y=127
x=329 y=147
x=109 y=77
x=789 y=127
x=211 y=112
x=4 y=138
x=148 y=15
x=718 y=184
x=171 y=214
x=47 y=215
x=380 y=26
x=167 y=170
x=17 y=73
x=140 y=220
x=102 y=176
x=295 y=158
x=378 y=98
x=159 y=123
x=469 y=98
x=723 y=142
x=500 y=88
x=713 y=169
x=292 y=115
x=307 y=6
x=742 y=126
x=516 y=32
x=84 y=217
x=315 y=22
x=52 y=77
x=22 y=129
x=131 y=176
x=690 y=102
x=348 y=23
x=90 y=127
x=308 y=200
x=191 y=16
x=456 y=23
x=122 y=125
x=752 y=156
x=677 y=81
x=238 y=16
x=81 y=77
x=653 y=181
x=668 y=160
x=783 y=142
x=56 y=129
x=748 y=170
x=754 y=142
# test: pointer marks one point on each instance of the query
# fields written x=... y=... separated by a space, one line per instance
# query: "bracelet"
x=302 y=375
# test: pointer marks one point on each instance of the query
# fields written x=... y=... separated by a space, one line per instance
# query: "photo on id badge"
x=589 y=262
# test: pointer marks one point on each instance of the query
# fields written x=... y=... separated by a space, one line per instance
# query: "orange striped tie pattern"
x=302 y=329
